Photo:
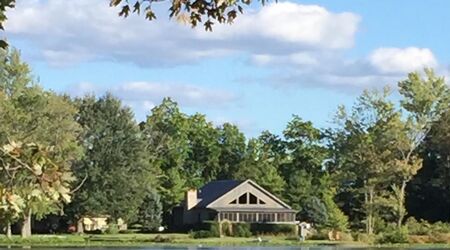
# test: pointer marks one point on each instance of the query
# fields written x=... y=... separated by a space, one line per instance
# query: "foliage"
x=242 y=230
x=190 y=12
x=115 y=162
x=4 y=4
x=31 y=181
x=394 y=235
x=150 y=212
x=41 y=122
x=273 y=229
x=112 y=229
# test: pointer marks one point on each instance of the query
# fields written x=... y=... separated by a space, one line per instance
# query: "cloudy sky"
x=300 y=57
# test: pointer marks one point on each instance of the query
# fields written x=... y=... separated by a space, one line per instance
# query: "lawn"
x=148 y=240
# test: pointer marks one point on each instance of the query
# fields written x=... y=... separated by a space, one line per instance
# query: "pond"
x=245 y=248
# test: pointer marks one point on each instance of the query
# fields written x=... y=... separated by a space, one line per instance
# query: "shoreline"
x=178 y=240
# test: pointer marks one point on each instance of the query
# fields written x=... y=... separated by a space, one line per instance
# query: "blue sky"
x=293 y=57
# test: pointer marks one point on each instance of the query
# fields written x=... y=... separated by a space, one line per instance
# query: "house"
x=235 y=201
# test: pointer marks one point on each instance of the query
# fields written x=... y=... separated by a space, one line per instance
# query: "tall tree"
x=167 y=145
x=115 y=163
x=30 y=114
x=202 y=163
x=259 y=165
x=425 y=99
x=232 y=145
x=364 y=156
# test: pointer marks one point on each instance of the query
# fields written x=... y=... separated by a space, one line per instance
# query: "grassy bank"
x=152 y=239
x=141 y=240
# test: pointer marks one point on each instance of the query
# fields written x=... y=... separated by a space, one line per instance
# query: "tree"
x=31 y=115
x=425 y=99
x=4 y=4
x=150 y=212
x=202 y=163
x=191 y=12
x=115 y=163
x=232 y=150
x=364 y=155
x=259 y=165
x=167 y=145
x=428 y=193
x=31 y=182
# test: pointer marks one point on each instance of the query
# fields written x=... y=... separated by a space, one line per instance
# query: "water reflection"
x=239 y=248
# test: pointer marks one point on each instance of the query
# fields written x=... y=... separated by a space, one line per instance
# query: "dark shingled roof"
x=213 y=190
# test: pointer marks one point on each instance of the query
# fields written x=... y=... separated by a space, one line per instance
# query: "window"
x=247 y=217
x=233 y=202
x=243 y=199
x=253 y=199
x=228 y=216
x=261 y=202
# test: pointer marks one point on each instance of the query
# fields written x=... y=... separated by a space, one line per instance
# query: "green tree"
x=150 y=212
x=232 y=150
x=425 y=99
x=30 y=114
x=115 y=163
x=260 y=166
x=167 y=145
x=364 y=155
x=202 y=163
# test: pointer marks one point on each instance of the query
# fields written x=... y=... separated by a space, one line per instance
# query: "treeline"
x=380 y=162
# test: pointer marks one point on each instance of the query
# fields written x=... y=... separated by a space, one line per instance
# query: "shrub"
x=202 y=234
x=394 y=235
x=366 y=238
x=227 y=228
x=242 y=230
x=160 y=239
x=112 y=229
x=319 y=235
x=415 y=227
x=262 y=228
x=439 y=238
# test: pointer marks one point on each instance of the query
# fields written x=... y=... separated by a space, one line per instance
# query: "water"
x=243 y=248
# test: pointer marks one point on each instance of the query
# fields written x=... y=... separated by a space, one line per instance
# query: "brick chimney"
x=191 y=198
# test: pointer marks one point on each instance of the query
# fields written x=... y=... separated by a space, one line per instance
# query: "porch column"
x=237 y=217
x=275 y=218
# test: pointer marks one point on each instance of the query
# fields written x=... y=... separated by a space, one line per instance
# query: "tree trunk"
x=80 y=226
x=26 y=225
x=8 y=230
x=401 y=208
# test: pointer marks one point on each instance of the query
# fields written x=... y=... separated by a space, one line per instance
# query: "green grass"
x=137 y=240
x=148 y=240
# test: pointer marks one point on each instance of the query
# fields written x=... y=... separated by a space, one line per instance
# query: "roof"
x=216 y=189
x=213 y=190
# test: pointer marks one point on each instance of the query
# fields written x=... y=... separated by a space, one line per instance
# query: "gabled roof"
x=215 y=189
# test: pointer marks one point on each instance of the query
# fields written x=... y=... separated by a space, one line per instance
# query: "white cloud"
x=147 y=94
x=402 y=60
x=82 y=30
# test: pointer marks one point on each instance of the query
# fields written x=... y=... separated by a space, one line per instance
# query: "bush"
x=319 y=235
x=112 y=229
x=201 y=234
x=439 y=238
x=227 y=228
x=415 y=227
x=242 y=230
x=262 y=228
x=366 y=238
x=160 y=239
x=393 y=236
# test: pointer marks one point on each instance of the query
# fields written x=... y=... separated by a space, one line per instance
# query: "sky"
x=302 y=57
